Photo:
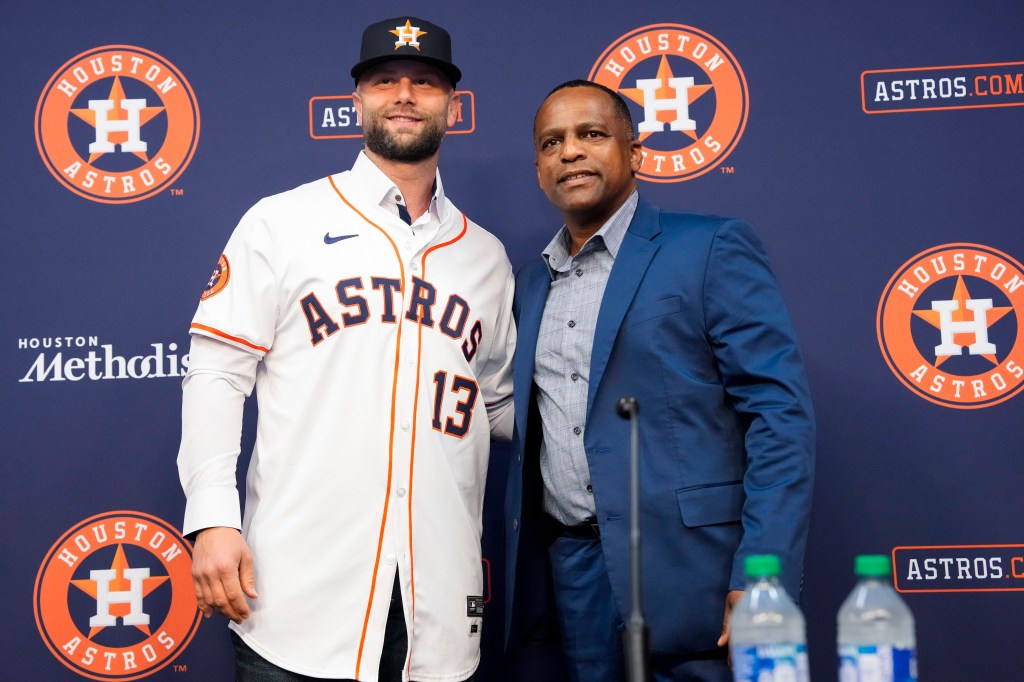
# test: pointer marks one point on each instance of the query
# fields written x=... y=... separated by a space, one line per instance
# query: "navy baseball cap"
x=407 y=38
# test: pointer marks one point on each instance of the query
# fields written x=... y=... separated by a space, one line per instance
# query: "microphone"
x=634 y=639
x=627 y=406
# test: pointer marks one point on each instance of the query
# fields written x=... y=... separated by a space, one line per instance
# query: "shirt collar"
x=379 y=189
x=610 y=235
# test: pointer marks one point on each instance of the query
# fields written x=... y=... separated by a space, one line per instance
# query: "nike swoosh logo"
x=328 y=239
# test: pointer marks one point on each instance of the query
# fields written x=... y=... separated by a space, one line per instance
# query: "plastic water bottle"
x=767 y=636
x=876 y=629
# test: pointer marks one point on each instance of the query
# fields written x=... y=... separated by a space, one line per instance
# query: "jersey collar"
x=379 y=189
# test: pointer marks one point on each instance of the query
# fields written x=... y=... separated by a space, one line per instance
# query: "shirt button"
x=391 y=561
x=414 y=267
x=401 y=492
x=577 y=430
x=572 y=323
x=398 y=197
x=574 y=376
x=515 y=524
x=579 y=272
x=405 y=426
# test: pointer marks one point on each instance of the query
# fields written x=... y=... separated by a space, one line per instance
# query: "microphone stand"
x=635 y=636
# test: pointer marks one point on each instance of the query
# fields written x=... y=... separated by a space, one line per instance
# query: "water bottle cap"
x=762 y=566
x=872 y=566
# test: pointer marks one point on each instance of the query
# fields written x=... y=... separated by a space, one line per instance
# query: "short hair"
x=618 y=104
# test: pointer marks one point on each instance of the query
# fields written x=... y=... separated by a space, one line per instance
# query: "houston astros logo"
x=117 y=124
x=408 y=35
x=692 y=92
x=114 y=598
x=219 y=278
x=949 y=325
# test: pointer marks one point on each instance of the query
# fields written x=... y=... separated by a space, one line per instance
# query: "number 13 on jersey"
x=467 y=390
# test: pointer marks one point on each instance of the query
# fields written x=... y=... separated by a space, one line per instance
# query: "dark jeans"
x=251 y=667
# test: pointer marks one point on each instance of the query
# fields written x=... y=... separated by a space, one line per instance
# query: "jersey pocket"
x=711 y=504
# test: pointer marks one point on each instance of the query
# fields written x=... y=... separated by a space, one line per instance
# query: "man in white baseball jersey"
x=374 y=320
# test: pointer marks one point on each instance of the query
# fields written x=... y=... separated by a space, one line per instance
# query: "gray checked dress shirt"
x=562 y=362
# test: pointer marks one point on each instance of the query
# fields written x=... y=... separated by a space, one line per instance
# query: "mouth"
x=576 y=176
x=403 y=118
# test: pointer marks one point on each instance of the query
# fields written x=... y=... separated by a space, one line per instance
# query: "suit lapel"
x=631 y=264
x=532 y=294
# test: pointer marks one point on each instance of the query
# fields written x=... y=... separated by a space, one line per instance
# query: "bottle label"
x=770 y=663
x=872 y=663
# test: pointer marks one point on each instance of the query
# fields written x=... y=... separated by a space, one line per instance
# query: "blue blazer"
x=693 y=324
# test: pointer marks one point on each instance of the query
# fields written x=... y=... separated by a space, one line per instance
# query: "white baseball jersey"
x=381 y=353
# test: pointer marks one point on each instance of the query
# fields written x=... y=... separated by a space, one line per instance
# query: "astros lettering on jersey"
x=381 y=359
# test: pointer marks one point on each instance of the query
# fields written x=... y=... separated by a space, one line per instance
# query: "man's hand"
x=222 y=573
x=731 y=600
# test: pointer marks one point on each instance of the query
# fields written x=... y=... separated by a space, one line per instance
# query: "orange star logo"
x=961 y=295
x=408 y=35
x=123 y=595
x=119 y=584
x=118 y=113
x=961 y=321
x=676 y=158
x=666 y=92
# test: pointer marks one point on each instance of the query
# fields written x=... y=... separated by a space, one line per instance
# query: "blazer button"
x=515 y=524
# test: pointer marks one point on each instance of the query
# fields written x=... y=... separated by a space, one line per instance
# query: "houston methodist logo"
x=117 y=124
x=949 y=325
x=114 y=598
x=692 y=92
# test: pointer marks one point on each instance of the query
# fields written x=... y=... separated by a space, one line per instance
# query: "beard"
x=405 y=148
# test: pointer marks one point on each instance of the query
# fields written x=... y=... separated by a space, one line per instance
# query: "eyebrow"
x=580 y=125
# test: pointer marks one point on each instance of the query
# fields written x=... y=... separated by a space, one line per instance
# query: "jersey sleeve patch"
x=218 y=280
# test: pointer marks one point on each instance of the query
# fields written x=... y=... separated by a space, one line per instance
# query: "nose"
x=404 y=93
x=571 y=148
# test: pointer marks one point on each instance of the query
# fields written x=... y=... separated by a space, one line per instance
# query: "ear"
x=636 y=155
x=357 y=102
x=454 y=109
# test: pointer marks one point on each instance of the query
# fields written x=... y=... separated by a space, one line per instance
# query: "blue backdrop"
x=876 y=146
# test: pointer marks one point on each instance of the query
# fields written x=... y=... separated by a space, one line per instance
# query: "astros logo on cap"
x=408 y=35
x=692 y=91
x=949 y=325
x=117 y=124
x=114 y=598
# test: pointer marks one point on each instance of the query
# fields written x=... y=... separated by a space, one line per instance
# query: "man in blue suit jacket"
x=683 y=312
